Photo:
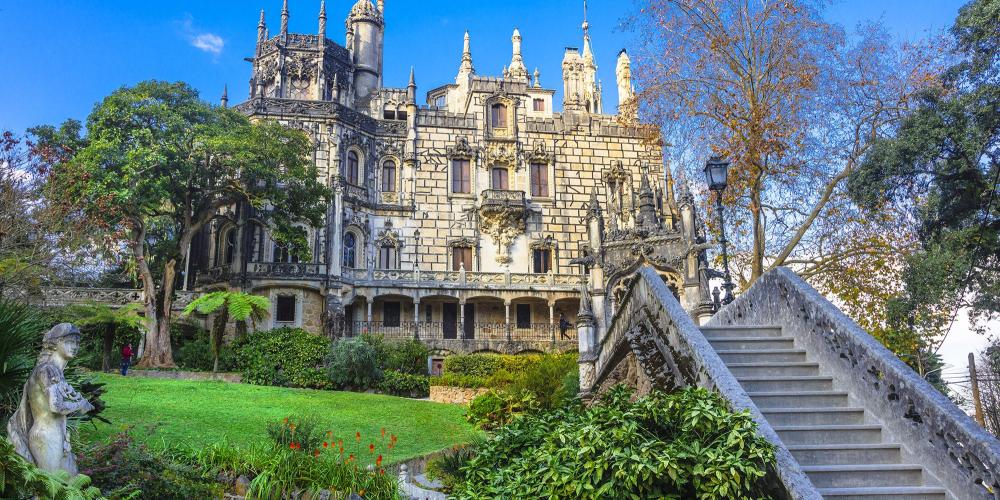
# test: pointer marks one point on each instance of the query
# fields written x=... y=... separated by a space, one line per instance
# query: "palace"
x=483 y=219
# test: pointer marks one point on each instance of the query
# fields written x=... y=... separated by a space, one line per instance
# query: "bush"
x=457 y=380
x=447 y=467
x=287 y=357
x=477 y=365
x=296 y=433
x=123 y=468
x=20 y=479
x=196 y=355
x=545 y=379
x=497 y=408
x=354 y=363
x=683 y=445
x=404 y=356
x=405 y=384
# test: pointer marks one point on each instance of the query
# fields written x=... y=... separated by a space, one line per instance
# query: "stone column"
x=369 y=302
x=461 y=319
x=506 y=319
x=416 y=318
x=552 y=320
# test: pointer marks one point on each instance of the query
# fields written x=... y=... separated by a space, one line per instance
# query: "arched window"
x=388 y=176
x=227 y=246
x=352 y=167
x=350 y=250
x=282 y=254
x=498 y=116
x=388 y=257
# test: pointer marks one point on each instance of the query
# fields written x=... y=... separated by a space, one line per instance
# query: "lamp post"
x=716 y=173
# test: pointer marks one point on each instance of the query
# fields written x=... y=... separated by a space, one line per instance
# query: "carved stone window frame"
x=463 y=242
x=362 y=165
x=541 y=155
x=548 y=242
x=360 y=246
x=299 y=296
x=462 y=149
x=511 y=103
x=395 y=194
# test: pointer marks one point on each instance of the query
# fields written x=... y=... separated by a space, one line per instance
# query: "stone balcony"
x=502 y=199
x=463 y=279
x=286 y=270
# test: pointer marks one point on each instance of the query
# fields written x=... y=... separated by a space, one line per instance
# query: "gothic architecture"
x=483 y=216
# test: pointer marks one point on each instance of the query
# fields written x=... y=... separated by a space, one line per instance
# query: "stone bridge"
x=58 y=296
x=847 y=418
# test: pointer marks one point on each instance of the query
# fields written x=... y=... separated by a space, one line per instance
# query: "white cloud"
x=209 y=42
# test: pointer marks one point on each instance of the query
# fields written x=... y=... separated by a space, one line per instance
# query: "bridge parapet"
x=960 y=453
x=114 y=297
x=653 y=343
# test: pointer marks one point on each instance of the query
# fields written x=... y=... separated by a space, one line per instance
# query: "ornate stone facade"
x=477 y=215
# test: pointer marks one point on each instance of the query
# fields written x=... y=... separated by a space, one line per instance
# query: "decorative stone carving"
x=462 y=150
x=548 y=242
x=38 y=427
x=502 y=153
x=538 y=154
x=388 y=237
x=503 y=224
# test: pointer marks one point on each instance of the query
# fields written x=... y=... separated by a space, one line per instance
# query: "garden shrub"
x=123 y=468
x=477 y=365
x=682 y=445
x=405 y=384
x=497 y=408
x=20 y=479
x=290 y=357
x=354 y=363
x=446 y=468
x=404 y=356
x=296 y=433
x=545 y=378
x=458 y=380
x=196 y=355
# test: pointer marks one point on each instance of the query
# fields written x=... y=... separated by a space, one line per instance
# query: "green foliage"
x=682 y=445
x=20 y=336
x=115 y=327
x=20 y=479
x=354 y=363
x=404 y=384
x=498 y=408
x=296 y=433
x=446 y=468
x=196 y=355
x=457 y=380
x=478 y=365
x=545 y=380
x=123 y=468
x=236 y=306
x=405 y=356
x=289 y=357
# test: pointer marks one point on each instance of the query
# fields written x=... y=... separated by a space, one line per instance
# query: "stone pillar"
x=552 y=320
x=416 y=318
x=461 y=318
x=506 y=319
x=369 y=302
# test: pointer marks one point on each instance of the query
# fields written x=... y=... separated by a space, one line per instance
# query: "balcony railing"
x=286 y=270
x=401 y=330
x=502 y=198
x=462 y=277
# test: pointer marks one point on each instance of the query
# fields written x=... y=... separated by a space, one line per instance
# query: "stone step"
x=844 y=454
x=752 y=343
x=799 y=399
x=779 y=384
x=885 y=493
x=864 y=476
x=774 y=369
x=814 y=416
x=763 y=356
x=740 y=331
x=829 y=434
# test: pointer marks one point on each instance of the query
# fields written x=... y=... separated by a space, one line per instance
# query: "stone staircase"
x=843 y=449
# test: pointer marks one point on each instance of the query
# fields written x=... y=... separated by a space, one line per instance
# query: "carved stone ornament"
x=388 y=237
x=463 y=242
x=548 y=242
x=462 y=150
x=389 y=148
x=38 y=427
x=616 y=174
x=503 y=225
x=300 y=68
x=502 y=153
x=538 y=154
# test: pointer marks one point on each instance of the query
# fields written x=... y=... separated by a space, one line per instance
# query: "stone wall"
x=455 y=395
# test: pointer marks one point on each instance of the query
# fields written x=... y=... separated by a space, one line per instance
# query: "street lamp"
x=716 y=173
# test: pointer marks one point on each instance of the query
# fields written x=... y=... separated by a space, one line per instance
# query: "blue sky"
x=60 y=57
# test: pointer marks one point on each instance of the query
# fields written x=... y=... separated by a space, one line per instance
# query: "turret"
x=224 y=100
x=595 y=222
x=572 y=67
x=627 y=107
x=538 y=81
x=284 y=20
x=517 y=70
x=591 y=91
x=322 y=23
x=365 y=35
x=466 y=69
x=261 y=31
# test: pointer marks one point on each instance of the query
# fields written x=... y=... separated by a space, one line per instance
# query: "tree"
x=795 y=104
x=988 y=372
x=158 y=164
x=112 y=322
x=20 y=329
x=237 y=306
x=943 y=166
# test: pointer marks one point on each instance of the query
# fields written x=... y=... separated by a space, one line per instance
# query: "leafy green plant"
x=477 y=365
x=497 y=408
x=404 y=384
x=682 y=445
x=458 y=380
x=237 y=306
x=112 y=323
x=196 y=355
x=289 y=357
x=20 y=336
x=404 y=356
x=20 y=479
x=354 y=363
x=544 y=380
x=296 y=433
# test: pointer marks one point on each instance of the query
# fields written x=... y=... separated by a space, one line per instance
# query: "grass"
x=199 y=413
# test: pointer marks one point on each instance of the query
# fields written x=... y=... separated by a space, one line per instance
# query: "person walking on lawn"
x=126 y=357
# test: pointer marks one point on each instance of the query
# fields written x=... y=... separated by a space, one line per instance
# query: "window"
x=461 y=181
x=390 y=314
x=498 y=116
x=229 y=246
x=350 y=250
x=428 y=313
x=388 y=176
x=539 y=173
x=499 y=178
x=401 y=115
x=281 y=254
x=524 y=315
x=284 y=309
x=461 y=257
x=387 y=257
x=543 y=260
x=389 y=114
x=352 y=168
x=538 y=104
x=440 y=101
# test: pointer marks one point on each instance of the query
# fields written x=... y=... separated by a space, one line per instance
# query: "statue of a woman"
x=38 y=427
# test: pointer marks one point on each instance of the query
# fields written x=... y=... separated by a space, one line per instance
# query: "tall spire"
x=381 y=7
x=284 y=19
x=322 y=20
x=517 y=69
x=411 y=88
x=261 y=29
x=224 y=100
x=466 y=69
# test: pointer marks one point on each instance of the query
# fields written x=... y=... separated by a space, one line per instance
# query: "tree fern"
x=238 y=306
x=21 y=332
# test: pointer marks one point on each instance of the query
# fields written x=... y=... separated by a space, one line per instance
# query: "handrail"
x=959 y=453
x=651 y=320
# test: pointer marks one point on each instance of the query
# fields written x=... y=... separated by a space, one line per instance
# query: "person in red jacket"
x=126 y=358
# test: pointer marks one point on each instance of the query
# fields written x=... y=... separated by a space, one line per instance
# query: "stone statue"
x=38 y=427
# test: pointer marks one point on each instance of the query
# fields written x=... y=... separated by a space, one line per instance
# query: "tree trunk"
x=218 y=331
x=109 y=339
x=158 y=352
x=757 y=262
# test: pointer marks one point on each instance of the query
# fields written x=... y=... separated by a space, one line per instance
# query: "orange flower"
x=362 y=492
x=342 y=449
x=340 y=443
x=357 y=435
x=291 y=446
x=392 y=438
x=383 y=432
x=371 y=447
x=285 y=421
x=316 y=453
x=350 y=457
x=325 y=444
x=378 y=461
x=292 y=427
x=381 y=471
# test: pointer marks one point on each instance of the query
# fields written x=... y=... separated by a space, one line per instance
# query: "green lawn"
x=200 y=413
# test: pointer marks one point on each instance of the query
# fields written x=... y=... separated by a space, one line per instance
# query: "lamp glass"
x=716 y=173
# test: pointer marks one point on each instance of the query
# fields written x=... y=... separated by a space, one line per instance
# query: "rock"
x=242 y=486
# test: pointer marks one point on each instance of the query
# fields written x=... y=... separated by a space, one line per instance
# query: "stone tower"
x=365 y=34
x=627 y=106
x=581 y=88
